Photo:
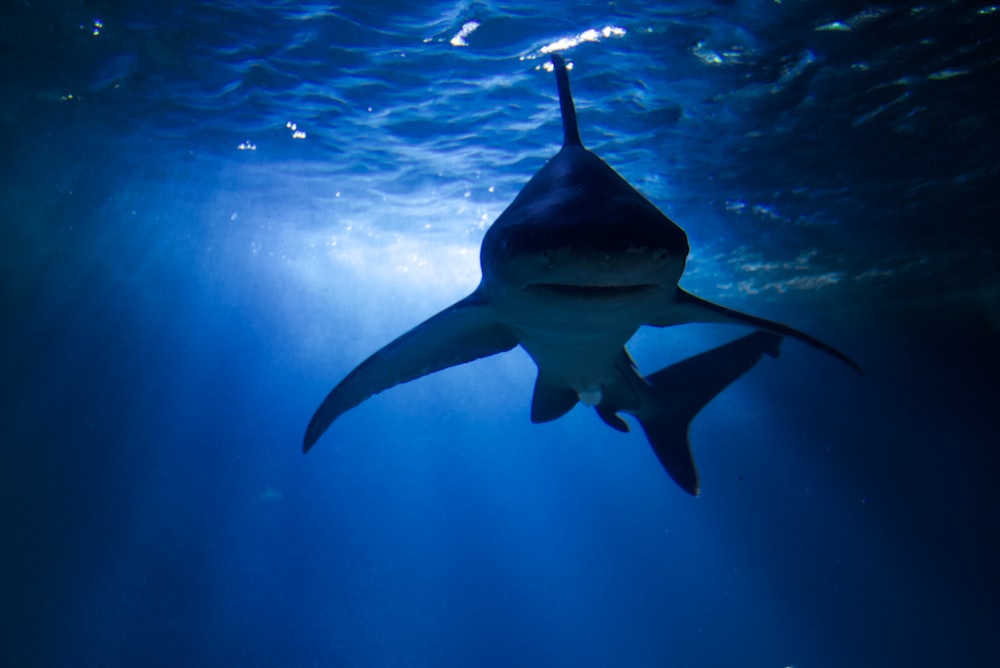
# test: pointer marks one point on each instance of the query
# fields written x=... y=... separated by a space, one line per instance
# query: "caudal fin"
x=668 y=434
x=678 y=392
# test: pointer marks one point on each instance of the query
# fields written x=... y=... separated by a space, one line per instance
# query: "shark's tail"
x=670 y=398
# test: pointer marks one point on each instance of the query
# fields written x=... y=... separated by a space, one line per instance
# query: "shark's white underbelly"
x=576 y=342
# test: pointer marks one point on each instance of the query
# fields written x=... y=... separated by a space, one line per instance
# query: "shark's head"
x=578 y=230
x=604 y=241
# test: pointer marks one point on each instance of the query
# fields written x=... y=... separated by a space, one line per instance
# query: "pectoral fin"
x=686 y=308
x=463 y=332
x=551 y=400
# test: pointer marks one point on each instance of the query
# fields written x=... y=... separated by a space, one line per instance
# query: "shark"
x=571 y=269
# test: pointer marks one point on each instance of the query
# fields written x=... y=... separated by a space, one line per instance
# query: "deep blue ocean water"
x=211 y=212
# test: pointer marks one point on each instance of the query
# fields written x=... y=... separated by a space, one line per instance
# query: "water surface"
x=212 y=211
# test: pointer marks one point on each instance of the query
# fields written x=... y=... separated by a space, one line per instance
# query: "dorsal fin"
x=571 y=132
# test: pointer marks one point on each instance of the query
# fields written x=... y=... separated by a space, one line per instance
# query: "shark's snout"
x=598 y=257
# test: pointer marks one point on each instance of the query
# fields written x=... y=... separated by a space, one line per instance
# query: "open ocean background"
x=212 y=211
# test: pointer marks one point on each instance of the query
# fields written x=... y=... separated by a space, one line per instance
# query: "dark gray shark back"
x=578 y=205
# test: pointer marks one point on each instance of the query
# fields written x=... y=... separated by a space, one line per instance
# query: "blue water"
x=213 y=211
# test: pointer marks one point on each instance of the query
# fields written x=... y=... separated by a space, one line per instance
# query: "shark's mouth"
x=592 y=291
